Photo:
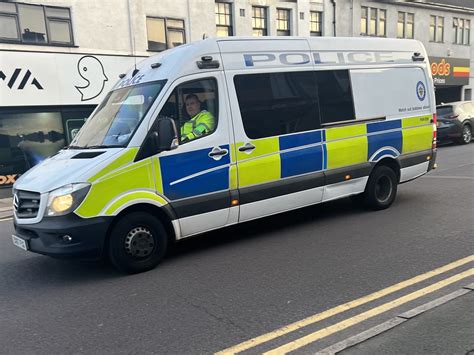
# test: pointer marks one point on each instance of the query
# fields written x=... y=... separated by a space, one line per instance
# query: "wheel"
x=466 y=135
x=381 y=188
x=137 y=243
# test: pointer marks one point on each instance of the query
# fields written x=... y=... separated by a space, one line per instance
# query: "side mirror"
x=165 y=135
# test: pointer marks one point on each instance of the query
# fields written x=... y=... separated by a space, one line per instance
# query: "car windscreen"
x=444 y=111
x=118 y=116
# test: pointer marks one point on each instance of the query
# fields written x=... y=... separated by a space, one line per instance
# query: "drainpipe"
x=188 y=8
x=130 y=30
x=334 y=16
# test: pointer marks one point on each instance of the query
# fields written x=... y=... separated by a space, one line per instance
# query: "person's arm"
x=205 y=123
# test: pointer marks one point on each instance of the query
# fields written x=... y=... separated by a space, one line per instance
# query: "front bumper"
x=46 y=237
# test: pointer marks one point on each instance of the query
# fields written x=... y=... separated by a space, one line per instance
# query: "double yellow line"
x=296 y=344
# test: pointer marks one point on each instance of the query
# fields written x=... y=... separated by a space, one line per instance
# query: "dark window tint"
x=444 y=111
x=335 y=96
x=277 y=103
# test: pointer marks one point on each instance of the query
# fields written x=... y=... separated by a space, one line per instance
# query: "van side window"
x=277 y=103
x=194 y=107
x=335 y=96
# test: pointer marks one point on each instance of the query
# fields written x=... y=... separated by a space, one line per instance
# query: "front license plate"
x=20 y=243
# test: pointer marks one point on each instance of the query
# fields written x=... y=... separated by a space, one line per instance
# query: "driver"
x=202 y=122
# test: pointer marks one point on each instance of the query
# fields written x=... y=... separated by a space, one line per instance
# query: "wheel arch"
x=392 y=163
x=163 y=214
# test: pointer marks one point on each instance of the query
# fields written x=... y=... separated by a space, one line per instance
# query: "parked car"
x=455 y=121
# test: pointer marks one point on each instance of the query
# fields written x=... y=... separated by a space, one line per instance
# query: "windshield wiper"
x=72 y=147
x=102 y=146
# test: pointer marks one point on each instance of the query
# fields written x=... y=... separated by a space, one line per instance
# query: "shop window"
x=30 y=135
x=164 y=33
x=35 y=24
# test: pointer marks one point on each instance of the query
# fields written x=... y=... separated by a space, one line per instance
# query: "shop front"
x=449 y=77
x=44 y=100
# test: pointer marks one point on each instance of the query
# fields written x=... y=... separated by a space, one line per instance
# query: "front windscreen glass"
x=118 y=116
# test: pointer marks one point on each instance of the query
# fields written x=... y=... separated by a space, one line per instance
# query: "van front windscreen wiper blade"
x=102 y=146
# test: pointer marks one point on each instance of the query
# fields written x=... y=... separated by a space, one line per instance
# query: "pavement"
x=427 y=333
x=6 y=207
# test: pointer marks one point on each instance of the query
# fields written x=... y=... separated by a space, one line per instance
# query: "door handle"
x=247 y=147
x=217 y=153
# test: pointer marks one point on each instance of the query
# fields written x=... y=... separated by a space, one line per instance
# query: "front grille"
x=26 y=204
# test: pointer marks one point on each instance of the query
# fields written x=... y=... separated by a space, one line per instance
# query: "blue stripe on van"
x=383 y=126
x=301 y=161
x=300 y=139
x=382 y=140
x=179 y=166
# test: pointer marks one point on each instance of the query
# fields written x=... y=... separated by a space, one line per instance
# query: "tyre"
x=466 y=135
x=381 y=188
x=137 y=243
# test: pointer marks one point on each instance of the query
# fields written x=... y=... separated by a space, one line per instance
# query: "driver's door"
x=195 y=177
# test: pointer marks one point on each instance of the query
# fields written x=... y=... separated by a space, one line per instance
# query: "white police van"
x=297 y=121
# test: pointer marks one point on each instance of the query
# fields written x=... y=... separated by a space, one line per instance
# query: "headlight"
x=65 y=199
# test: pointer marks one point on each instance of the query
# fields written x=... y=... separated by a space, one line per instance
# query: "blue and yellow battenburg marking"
x=193 y=173
x=332 y=148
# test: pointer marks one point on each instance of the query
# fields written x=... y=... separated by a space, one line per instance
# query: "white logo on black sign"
x=21 y=80
x=91 y=70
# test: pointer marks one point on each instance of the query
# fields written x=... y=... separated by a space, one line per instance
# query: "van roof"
x=240 y=53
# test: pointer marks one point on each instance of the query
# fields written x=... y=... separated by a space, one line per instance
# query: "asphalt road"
x=223 y=288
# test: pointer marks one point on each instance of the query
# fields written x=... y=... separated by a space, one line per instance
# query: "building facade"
x=58 y=58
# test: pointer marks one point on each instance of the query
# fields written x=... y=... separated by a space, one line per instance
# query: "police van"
x=289 y=122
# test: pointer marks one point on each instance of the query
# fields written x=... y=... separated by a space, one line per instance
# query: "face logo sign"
x=420 y=91
x=92 y=71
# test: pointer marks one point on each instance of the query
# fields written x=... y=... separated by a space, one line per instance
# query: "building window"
x=35 y=24
x=316 y=23
x=164 y=33
x=372 y=22
x=436 y=29
x=223 y=19
x=283 y=22
x=259 y=21
x=462 y=29
x=405 y=25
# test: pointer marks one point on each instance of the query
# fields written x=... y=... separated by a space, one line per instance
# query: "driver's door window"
x=194 y=107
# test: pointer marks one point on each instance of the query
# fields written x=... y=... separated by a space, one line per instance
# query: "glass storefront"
x=30 y=135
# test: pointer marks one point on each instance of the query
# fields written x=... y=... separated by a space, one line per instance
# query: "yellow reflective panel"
x=347 y=152
x=260 y=165
x=417 y=139
x=137 y=176
x=125 y=158
x=345 y=132
x=416 y=121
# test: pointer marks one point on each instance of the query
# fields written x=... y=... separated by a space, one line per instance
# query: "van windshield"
x=118 y=116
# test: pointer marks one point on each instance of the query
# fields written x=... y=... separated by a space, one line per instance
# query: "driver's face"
x=193 y=106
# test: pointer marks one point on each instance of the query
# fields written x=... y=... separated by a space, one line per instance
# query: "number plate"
x=20 y=243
